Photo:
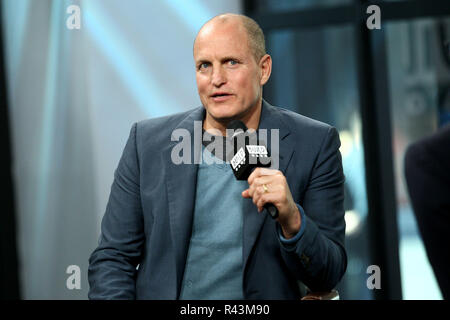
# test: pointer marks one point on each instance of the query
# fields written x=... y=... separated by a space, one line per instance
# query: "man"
x=191 y=231
x=427 y=172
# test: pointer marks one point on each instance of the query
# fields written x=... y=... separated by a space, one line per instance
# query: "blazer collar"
x=271 y=118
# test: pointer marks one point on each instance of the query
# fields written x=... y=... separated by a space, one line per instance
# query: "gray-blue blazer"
x=146 y=228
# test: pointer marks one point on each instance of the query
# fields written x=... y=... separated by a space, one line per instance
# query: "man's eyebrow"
x=201 y=61
x=224 y=59
x=229 y=58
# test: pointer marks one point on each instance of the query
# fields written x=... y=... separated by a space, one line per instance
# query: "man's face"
x=228 y=76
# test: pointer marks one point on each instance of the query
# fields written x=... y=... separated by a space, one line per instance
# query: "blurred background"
x=70 y=96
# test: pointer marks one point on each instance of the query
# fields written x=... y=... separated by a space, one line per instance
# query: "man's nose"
x=218 y=77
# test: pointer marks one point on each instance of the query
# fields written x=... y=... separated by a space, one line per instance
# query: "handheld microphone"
x=248 y=154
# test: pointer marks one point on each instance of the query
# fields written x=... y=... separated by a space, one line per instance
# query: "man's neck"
x=250 y=119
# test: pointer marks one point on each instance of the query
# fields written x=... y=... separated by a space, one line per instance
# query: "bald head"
x=255 y=36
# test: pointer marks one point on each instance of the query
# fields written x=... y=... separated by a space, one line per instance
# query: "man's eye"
x=233 y=62
x=203 y=65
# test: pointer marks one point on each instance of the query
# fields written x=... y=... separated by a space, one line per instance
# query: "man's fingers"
x=261 y=172
x=259 y=181
x=253 y=175
x=266 y=198
x=265 y=186
x=267 y=172
x=256 y=192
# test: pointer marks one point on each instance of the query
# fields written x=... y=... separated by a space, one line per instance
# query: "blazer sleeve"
x=112 y=265
x=318 y=259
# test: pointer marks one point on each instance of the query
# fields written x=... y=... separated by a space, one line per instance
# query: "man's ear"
x=266 y=68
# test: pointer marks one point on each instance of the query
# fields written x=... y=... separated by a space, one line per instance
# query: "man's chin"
x=224 y=115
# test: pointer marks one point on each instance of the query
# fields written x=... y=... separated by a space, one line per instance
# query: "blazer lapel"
x=253 y=220
x=181 y=182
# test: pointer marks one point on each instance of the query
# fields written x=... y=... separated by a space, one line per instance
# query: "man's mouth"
x=220 y=96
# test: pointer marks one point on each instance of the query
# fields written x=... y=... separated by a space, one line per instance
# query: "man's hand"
x=270 y=186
